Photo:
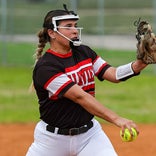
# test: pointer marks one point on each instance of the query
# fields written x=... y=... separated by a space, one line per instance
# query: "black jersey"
x=54 y=74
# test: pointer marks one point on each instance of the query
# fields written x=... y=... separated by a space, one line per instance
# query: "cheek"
x=62 y=40
x=66 y=34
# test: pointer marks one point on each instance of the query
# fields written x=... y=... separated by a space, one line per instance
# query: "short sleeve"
x=56 y=83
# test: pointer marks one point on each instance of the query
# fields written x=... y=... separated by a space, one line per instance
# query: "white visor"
x=63 y=17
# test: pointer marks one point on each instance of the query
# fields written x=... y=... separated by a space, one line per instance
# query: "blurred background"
x=111 y=20
x=97 y=16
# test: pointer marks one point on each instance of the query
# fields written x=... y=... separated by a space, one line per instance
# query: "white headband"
x=63 y=17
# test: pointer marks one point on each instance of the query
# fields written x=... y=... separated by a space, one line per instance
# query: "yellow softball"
x=127 y=137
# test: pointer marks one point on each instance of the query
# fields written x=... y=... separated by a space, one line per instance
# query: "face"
x=68 y=29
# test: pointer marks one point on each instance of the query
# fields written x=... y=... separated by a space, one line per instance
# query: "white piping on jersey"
x=55 y=85
x=81 y=67
x=98 y=64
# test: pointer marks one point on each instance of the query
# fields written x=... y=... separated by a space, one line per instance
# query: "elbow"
x=79 y=98
x=77 y=95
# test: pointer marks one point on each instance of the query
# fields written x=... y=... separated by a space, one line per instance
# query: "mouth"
x=75 y=39
x=75 y=42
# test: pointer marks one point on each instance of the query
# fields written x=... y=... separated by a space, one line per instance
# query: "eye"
x=71 y=25
x=68 y=25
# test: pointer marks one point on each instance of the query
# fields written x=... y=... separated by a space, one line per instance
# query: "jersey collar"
x=58 y=54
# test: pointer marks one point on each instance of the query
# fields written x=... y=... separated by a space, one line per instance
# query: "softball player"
x=63 y=78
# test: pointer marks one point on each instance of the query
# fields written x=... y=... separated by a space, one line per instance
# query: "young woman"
x=63 y=78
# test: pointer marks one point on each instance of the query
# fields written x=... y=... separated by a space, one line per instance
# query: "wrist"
x=138 y=65
x=116 y=121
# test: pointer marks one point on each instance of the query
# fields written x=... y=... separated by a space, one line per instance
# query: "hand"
x=126 y=123
x=146 y=45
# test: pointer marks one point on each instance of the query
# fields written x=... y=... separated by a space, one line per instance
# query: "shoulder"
x=48 y=62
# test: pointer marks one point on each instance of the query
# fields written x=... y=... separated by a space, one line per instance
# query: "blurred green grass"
x=16 y=103
x=134 y=98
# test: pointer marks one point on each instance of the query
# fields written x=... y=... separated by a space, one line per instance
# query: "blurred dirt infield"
x=16 y=138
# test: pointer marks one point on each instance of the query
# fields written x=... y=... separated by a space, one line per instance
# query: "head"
x=56 y=23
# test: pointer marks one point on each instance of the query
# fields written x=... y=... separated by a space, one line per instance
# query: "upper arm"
x=56 y=83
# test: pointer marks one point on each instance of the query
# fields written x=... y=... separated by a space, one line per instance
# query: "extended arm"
x=133 y=69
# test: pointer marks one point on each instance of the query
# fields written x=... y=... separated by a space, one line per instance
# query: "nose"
x=75 y=29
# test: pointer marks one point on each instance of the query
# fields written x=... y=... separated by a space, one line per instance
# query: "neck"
x=60 y=49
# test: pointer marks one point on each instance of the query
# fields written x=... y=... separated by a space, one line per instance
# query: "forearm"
x=97 y=109
x=94 y=107
x=89 y=103
x=124 y=72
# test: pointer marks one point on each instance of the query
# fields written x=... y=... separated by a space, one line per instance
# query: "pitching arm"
x=88 y=102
